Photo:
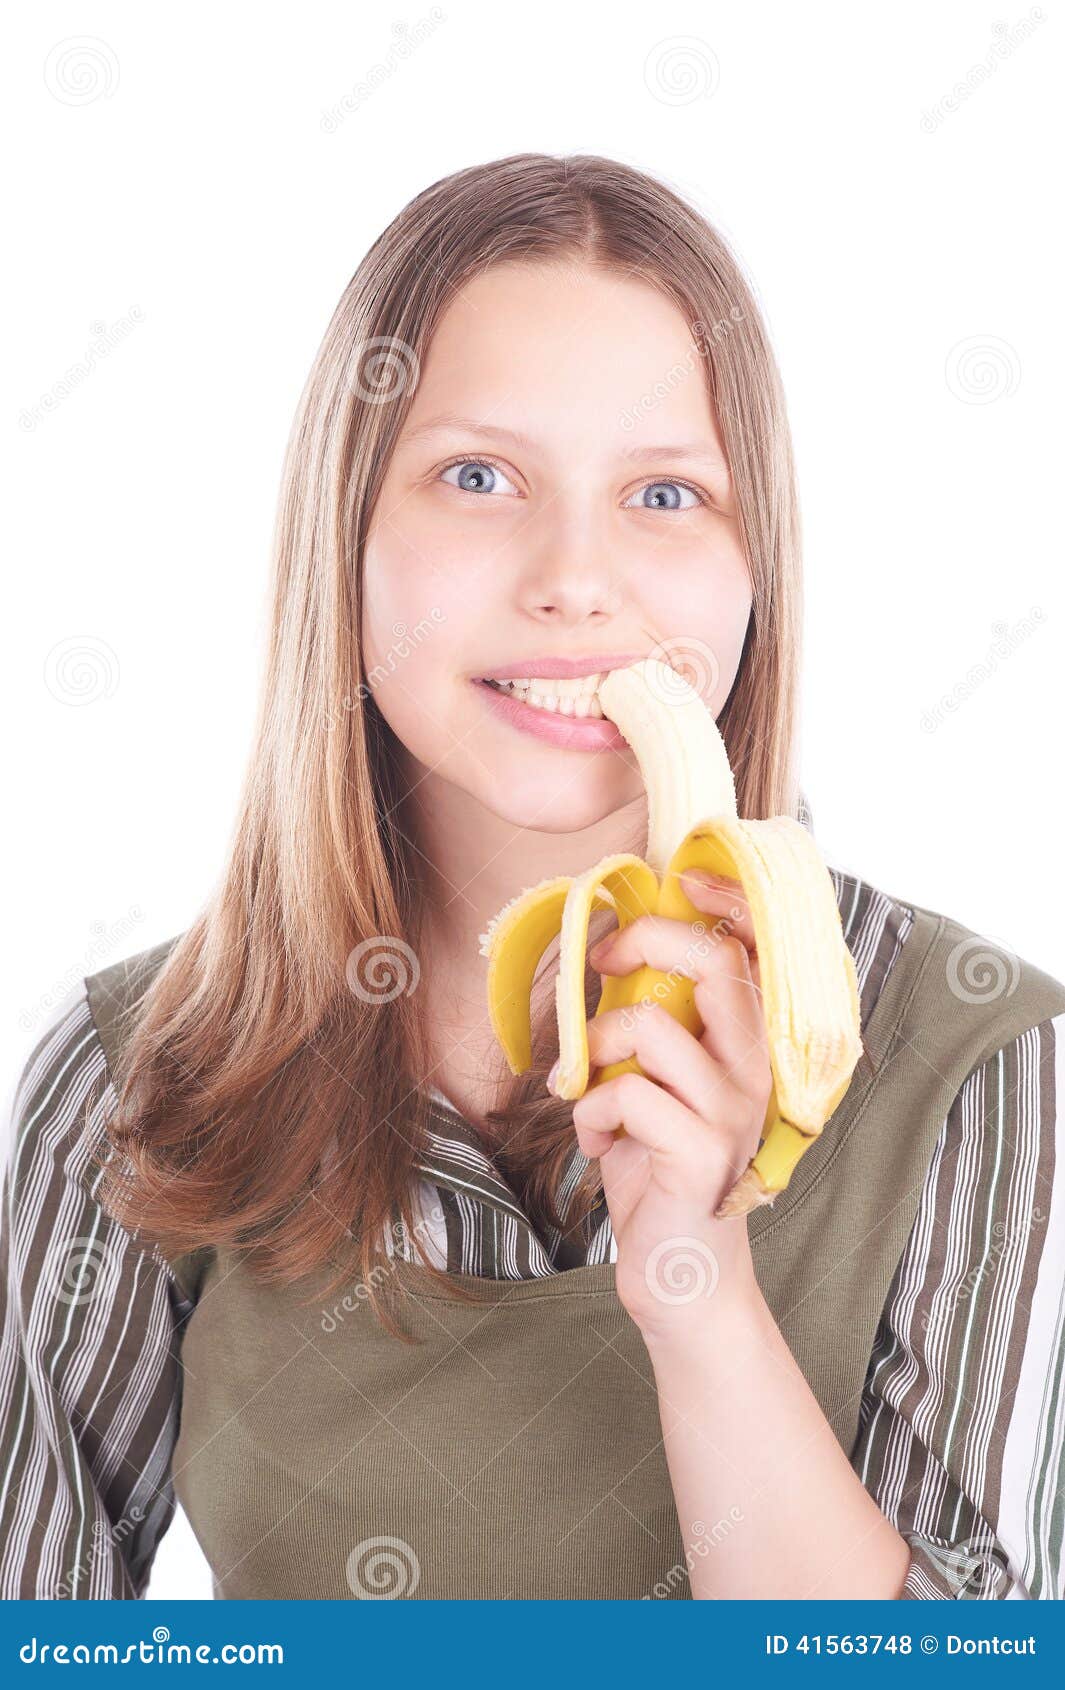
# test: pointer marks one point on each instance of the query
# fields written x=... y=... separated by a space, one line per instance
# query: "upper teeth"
x=570 y=698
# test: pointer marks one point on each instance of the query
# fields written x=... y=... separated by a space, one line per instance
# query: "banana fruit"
x=808 y=982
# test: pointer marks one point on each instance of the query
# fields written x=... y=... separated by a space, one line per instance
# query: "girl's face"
x=558 y=503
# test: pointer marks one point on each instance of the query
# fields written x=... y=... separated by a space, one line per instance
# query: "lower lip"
x=575 y=733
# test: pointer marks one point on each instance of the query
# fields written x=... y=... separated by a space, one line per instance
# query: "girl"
x=431 y=1331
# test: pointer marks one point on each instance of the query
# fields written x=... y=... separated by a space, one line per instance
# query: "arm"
x=961 y=1438
x=751 y=1456
x=89 y=1369
x=768 y=1504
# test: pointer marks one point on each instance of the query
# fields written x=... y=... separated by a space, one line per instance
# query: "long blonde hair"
x=263 y=1105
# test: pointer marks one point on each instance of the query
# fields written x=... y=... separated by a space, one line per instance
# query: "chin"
x=559 y=806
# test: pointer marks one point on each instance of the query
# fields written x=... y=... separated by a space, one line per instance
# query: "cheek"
x=419 y=569
x=411 y=617
x=406 y=598
x=700 y=620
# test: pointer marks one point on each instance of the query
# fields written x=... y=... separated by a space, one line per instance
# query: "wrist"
x=710 y=1326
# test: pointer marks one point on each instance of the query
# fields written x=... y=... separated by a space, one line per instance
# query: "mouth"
x=558 y=685
x=566 y=698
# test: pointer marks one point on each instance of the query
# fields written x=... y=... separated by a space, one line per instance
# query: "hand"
x=692 y=1119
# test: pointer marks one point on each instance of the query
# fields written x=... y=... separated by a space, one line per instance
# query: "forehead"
x=566 y=354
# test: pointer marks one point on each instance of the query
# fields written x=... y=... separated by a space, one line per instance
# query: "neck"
x=474 y=862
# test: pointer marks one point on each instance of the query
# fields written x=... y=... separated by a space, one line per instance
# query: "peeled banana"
x=808 y=981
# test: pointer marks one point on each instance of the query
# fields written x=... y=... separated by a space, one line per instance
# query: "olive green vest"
x=515 y=1451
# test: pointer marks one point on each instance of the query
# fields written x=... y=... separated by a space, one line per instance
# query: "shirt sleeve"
x=89 y=1365
x=961 y=1437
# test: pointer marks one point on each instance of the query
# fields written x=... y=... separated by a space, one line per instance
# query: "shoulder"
x=64 y=1073
x=114 y=994
x=55 y=1152
x=929 y=981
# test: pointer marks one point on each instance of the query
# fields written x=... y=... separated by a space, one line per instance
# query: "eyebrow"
x=469 y=425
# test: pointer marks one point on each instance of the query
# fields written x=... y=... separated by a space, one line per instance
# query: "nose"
x=570 y=576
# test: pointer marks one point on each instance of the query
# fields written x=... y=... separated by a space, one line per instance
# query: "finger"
x=664 y=1125
x=594 y=1144
x=734 y=1029
x=661 y=940
x=666 y=1052
x=726 y=995
x=718 y=892
x=724 y=899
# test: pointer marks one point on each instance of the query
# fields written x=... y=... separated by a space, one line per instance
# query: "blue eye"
x=665 y=496
x=475 y=475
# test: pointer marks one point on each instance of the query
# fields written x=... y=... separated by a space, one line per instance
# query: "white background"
x=905 y=254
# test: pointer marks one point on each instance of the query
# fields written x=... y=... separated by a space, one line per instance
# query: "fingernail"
x=551 y=1078
x=700 y=877
x=600 y=951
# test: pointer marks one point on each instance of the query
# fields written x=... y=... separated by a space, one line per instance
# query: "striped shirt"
x=961 y=1440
